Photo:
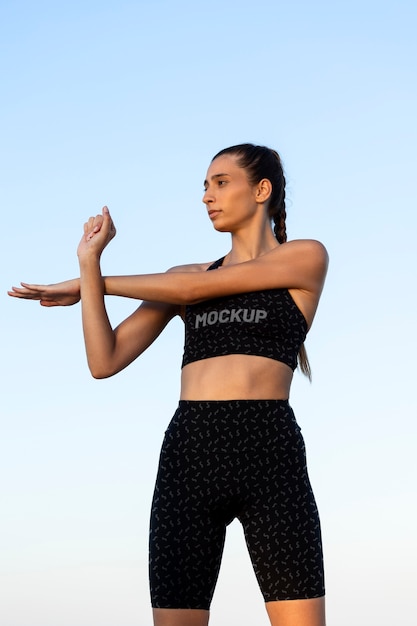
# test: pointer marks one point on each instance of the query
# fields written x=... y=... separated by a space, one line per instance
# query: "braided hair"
x=262 y=162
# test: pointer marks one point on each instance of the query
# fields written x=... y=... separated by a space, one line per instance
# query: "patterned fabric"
x=222 y=460
x=263 y=323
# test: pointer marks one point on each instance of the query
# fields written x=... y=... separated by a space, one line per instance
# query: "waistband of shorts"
x=267 y=403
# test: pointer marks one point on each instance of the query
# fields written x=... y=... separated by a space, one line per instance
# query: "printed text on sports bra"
x=225 y=316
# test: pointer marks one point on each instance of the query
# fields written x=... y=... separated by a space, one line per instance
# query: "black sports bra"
x=262 y=323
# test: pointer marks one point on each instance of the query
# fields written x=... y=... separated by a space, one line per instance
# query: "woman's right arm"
x=111 y=351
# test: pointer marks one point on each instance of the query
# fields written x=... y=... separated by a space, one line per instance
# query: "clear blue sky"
x=125 y=103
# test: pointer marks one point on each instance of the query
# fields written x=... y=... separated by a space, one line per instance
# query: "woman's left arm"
x=298 y=264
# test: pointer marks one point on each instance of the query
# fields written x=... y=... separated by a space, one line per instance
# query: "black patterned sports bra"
x=262 y=323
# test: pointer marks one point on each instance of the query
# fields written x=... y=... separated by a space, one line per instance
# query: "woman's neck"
x=247 y=246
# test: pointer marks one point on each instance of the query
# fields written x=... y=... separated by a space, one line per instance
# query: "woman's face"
x=229 y=197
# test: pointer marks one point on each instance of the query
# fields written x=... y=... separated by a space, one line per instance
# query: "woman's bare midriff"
x=234 y=377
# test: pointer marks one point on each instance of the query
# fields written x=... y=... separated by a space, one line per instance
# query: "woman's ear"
x=263 y=190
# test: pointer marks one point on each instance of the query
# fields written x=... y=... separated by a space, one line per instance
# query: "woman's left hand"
x=98 y=232
x=58 y=294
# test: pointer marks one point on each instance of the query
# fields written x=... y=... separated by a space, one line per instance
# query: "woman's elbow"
x=99 y=371
x=99 y=375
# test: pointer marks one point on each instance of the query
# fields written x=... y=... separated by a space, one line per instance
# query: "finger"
x=16 y=292
x=93 y=232
x=12 y=292
x=30 y=291
x=33 y=289
x=90 y=224
x=23 y=289
x=98 y=223
x=33 y=286
x=106 y=217
x=93 y=226
x=109 y=222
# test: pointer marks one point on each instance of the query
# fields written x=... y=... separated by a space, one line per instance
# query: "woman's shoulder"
x=305 y=245
x=304 y=259
x=308 y=248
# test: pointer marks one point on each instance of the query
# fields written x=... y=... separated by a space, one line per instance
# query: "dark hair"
x=262 y=162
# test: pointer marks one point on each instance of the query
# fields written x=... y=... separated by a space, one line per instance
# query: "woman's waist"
x=236 y=376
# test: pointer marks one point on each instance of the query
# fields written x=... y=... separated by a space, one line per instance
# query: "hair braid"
x=277 y=210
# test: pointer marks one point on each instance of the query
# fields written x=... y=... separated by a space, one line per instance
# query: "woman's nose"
x=208 y=197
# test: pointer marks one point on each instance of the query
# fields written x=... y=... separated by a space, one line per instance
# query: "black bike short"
x=226 y=459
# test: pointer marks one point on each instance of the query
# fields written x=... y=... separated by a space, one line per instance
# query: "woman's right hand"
x=58 y=294
x=98 y=232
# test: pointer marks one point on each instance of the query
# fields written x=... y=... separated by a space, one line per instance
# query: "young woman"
x=233 y=447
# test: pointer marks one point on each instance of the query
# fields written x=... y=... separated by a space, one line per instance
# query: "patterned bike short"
x=222 y=460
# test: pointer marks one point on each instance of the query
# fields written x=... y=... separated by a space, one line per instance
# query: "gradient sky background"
x=125 y=103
